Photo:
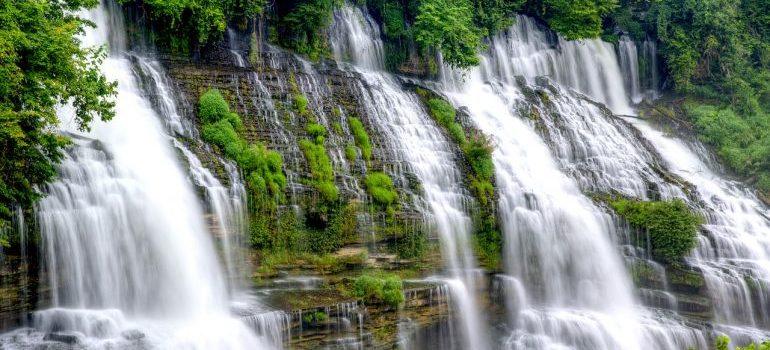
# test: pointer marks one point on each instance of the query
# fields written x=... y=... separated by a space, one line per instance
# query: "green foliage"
x=314 y=318
x=574 y=19
x=261 y=167
x=350 y=152
x=409 y=243
x=495 y=15
x=300 y=25
x=340 y=230
x=212 y=107
x=387 y=289
x=448 y=26
x=223 y=135
x=477 y=149
x=321 y=170
x=300 y=103
x=671 y=226
x=41 y=66
x=722 y=342
x=195 y=20
x=380 y=186
x=361 y=137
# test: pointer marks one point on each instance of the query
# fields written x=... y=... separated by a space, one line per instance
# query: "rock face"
x=265 y=95
x=21 y=290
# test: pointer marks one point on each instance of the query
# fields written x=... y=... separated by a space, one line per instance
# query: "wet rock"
x=67 y=338
x=133 y=334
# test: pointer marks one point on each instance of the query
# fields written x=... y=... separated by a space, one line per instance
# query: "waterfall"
x=420 y=143
x=590 y=67
x=734 y=251
x=129 y=258
x=566 y=280
x=629 y=65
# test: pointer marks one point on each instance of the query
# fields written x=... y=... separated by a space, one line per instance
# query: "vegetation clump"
x=387 y=289
x=723 y=343
x=380 y=186
x=671 y=227
x=361 y=137
x=262 y=168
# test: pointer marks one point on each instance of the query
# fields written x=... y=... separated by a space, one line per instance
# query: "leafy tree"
x=42 y=65
x=201 y=20
x=447 y=25
x=574 y=19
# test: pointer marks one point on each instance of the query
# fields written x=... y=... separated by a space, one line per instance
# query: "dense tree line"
x=42 y=65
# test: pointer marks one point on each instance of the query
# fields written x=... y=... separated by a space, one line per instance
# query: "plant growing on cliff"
x=361 y=137
x=670 y=226
x=262 y=168
x=387 y=289
x=321 y=170
x=43 y=65
x=380 y=186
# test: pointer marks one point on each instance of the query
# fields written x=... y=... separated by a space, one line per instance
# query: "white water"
x=590 y=67
x=734 y=254
x=403 y=122
x=566 y=276
x=129 y=257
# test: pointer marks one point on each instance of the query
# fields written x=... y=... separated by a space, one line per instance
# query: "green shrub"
x=671 y=225
x=361 y=137
x=300 y=103
x=385 y=289
x=212 y=107
x=223 y=135
x=380 y=186
x=722 y=342
x=314 y=318
x=410 y=243
x=442 y=111
x=447 y=25
x=262 y=168
x=317 y=132
x=478 y=151
x=321 y=169
x=457 y=133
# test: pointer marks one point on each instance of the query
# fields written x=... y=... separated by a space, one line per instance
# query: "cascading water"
x=400 y=117
x=561 y=261
x=590 y=66
x=128 y=255
x=734 y=251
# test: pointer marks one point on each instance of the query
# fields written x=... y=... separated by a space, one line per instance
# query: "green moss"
x=223 y=135
x=314 y=318
x=300 y=103
x=350 y=152
x=212 y=107
x=321 y=170
x=361 y=137
x=262 y=168
x=387 y=289
x=671 y=225
x=380 y=186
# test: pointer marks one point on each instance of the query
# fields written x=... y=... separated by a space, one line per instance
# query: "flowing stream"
x=399 y=116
